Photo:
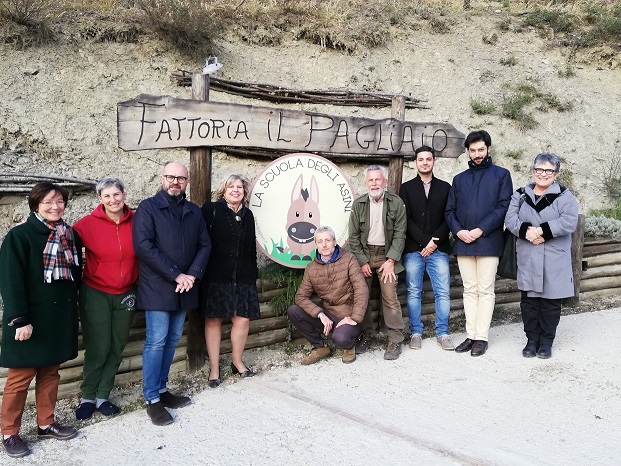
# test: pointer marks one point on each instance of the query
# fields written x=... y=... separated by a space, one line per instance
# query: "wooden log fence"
x=601 y=279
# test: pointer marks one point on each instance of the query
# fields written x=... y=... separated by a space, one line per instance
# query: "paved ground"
x=429 y=407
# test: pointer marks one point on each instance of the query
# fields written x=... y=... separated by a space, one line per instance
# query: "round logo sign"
x=291 y=198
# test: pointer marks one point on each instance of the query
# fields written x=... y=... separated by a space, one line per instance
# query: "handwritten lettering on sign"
x=152 y=122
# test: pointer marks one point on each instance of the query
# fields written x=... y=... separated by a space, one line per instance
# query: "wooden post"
x=200 y=192
x=395 y=165
x=577 y=241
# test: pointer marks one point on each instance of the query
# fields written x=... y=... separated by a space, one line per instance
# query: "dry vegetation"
x=339 y=24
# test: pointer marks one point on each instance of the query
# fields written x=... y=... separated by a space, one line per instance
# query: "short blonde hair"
x=228 y=180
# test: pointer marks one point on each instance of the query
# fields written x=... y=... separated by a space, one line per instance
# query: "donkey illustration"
x=303 y=219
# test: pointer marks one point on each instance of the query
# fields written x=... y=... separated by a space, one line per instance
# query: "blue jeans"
x=437 y=266
x=164 y=329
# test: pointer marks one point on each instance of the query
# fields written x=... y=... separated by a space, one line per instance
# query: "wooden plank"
x=599 y=249
x=600 y=293
x=600 y=283
x=611 y=270
x=164 y=122
x=604 y=259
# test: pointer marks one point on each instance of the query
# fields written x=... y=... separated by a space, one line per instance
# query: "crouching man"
x=337 y=279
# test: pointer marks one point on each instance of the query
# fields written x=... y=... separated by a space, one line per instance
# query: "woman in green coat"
x=40 y=272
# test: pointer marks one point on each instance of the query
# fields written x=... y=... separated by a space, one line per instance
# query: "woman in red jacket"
x=107 y=294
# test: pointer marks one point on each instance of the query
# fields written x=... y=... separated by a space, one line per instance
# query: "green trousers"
x=106 y=319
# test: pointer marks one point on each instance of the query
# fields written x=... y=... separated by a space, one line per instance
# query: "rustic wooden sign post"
x=160 y=122
x=200 y=191
x=395 y=163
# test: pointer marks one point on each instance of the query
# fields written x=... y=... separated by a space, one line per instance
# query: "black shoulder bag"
x=507 y=266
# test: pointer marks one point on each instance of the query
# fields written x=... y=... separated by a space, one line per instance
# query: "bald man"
x=172 y=246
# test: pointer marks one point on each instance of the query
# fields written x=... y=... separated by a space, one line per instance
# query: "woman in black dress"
x=228 y=290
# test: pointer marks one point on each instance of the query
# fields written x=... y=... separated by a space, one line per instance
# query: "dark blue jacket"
x=479 y=198
x=167 y=245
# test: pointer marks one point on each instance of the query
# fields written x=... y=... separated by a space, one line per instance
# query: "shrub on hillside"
x=558 y=20
x=27 y=12
x=190 y=25
x=602 y=226
x=30 y=20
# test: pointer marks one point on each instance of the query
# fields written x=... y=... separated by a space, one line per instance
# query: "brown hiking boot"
x=349 y=355
x=393 y=350
x=316 y=355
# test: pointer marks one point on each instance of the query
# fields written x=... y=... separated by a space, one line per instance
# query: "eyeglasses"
x=547 y=171
x=51 y=203
x=171 y=179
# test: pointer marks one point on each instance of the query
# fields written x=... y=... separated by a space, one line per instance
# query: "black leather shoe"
x=214 y=383
x=15 y=446
x=247 y=373
x=465 y=345
x=173 y=401
x=545 y=351
x=55 y=430
x=158 y=414
x=530 y=350
x=478 y=348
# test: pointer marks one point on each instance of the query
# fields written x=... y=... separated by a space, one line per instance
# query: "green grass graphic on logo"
x=280 y=254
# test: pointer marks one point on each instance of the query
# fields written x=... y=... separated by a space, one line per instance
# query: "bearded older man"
x=377 y=226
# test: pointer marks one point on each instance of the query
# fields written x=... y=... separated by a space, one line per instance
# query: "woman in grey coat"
x=543 y=215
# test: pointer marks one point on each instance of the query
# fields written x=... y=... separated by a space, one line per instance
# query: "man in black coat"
x=172 y=245
x=427 y=247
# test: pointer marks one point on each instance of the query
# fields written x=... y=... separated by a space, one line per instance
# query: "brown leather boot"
x=316 y=355
x=349 y=355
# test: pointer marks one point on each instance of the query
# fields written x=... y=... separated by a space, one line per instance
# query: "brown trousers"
x=391 y=308
x=16 y=391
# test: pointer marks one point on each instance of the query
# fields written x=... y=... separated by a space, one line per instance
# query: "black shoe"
x=247 y=373
x=214 y=383
x=530 y=350
x=85 y=411
x=108 y=409
x=158 y=414
x=478 y=348
x=544 y=351
x=363 y=343
x=15 y=446
x=465 y=345
x=173 y=401
x=55 y=430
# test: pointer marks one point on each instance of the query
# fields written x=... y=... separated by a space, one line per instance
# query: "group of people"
x=411 y=232
x=171 y=256
x=151 y=260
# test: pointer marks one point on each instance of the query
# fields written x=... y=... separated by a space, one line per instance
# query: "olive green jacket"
x=395 y=226
x=51 y=308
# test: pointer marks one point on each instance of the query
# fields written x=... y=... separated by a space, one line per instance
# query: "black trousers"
x=344 y=337
x=541 y=317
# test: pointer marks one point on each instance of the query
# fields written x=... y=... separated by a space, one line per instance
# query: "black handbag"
x=507 y=266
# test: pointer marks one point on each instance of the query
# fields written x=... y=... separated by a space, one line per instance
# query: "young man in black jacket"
x=427 y=247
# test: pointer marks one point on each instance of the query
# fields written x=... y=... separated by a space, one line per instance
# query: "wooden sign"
x=160 y=122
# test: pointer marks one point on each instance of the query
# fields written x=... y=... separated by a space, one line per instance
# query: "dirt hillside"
x=58 y=102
